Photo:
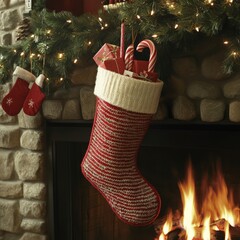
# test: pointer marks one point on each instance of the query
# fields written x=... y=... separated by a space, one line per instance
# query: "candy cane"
x=153 y=53
x=129 y=57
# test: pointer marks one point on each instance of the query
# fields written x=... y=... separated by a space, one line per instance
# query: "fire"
x=187 y=190
x=217 y=213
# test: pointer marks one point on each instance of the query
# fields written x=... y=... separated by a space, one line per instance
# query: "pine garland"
x=60 y=40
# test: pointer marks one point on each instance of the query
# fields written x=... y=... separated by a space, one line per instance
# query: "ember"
x=216 y=219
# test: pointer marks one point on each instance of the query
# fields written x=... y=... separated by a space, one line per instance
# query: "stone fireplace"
x=189 y=122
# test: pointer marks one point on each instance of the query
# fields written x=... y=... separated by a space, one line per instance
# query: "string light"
x=60 y=56
x=138 y=17
x=75 y=60
x=226 y=42
x=89 y=43
x=69 y=21
x=176 y=26
x=61 y=79
x=154 y=35
x=22 y=54
x=197 y=29
x=49 y=31
x=14 y=50
x=100 y=19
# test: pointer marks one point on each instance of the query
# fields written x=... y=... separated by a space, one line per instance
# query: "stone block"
x=203 y=89
x=33 y=225
x=32 y=209
x=212 y=110
x=9 y=136
x=13 y=189
x=183 y=109
x=35 y=191
x=9 y=19
x=29 y=165
x=4 y=4
x=32 y=122
x=161 y=113
x=6 y=164
x=7 y=39
x=9 y=215
x=234 y=111
x=88 y=103
x=71 y=110
x=232 y=88
x=33 y=236
x=52 y=109
x=32 y=140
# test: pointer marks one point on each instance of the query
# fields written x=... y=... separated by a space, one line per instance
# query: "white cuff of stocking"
x=128 y=93
x=24 y=74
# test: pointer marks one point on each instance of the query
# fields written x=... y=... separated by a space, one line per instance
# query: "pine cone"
x=23 y=29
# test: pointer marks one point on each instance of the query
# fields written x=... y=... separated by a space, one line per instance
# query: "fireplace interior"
x=77 y=211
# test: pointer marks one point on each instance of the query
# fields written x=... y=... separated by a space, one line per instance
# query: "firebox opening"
x=79 y=210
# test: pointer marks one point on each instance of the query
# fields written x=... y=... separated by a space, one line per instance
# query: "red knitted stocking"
x=124 y=110
x=12 y=103
x=34 y=99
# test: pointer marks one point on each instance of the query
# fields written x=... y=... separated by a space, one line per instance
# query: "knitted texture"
x=123 y=112
x=110 y=164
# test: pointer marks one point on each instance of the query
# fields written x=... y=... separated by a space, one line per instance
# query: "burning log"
x=179 y=233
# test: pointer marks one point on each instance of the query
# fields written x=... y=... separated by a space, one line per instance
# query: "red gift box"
x=140 y=67
x=115 y=65
x=108 y=57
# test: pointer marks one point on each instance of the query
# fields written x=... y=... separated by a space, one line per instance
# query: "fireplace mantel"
x=62 y=168
x=168 y=133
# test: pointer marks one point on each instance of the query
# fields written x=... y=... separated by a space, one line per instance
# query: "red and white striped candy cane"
x=129 y=55
x=153 y=53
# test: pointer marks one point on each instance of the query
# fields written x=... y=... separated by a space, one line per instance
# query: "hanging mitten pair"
x=23 y=97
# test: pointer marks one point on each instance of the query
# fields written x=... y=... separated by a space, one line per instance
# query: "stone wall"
x=11 y=12
x=22 y=158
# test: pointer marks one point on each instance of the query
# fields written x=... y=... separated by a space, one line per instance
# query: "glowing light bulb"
x=89 y=43
x=22 y=54
x=60 y=55
x=154 y=35
x=69 y=21
x=100 y=19
x=75 y=60
x=176 y=26
x=197 y=29
x=226 y=42
x=49 y=31
x=152 y=12
x=138 y=17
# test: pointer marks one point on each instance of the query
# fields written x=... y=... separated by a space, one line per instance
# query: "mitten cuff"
x=24 y=74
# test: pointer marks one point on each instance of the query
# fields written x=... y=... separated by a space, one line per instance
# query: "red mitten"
x=12 y=103
x=124 y=110
x=35 y=97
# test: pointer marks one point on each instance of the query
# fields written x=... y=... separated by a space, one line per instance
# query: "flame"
x=167 y=227
x=190 y=216
x=218 y=210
